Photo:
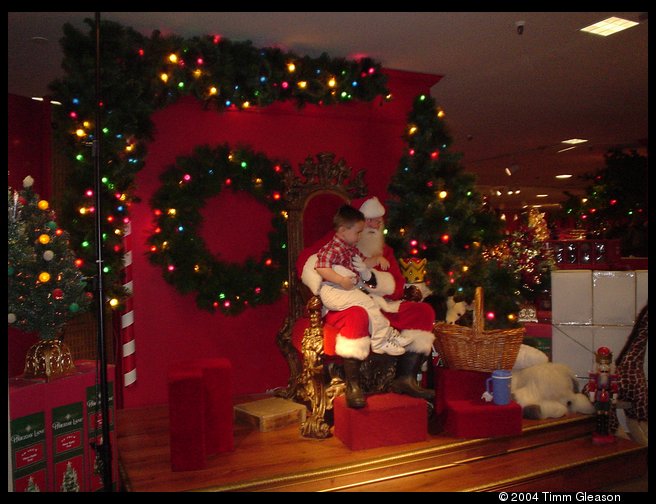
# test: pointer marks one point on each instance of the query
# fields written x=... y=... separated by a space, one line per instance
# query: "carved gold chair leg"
x=315 y=391
x=323 y=396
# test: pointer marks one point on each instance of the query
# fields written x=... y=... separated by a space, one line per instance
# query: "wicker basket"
x=474 y=348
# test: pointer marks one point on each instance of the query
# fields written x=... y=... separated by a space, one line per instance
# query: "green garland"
x=185 y=261
x=142 y=74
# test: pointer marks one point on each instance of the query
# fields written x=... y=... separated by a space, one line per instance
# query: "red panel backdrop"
x=168 y=326
x=28 y=143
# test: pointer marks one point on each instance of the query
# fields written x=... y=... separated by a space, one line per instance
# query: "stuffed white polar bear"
x=545 y=389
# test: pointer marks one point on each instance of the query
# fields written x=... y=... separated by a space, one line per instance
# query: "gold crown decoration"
x=413 y=269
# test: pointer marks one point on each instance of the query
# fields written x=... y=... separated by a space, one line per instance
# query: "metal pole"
x=106 y=452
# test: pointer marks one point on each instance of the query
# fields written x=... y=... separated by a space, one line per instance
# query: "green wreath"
x=177 y=248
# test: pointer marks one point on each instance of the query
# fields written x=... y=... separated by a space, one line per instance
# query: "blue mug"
x=500 y=386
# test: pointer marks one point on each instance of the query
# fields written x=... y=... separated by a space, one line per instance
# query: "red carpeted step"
x=388 y=419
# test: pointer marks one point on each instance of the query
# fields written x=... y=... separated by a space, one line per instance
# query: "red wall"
x=169 y=326
x=29 y=143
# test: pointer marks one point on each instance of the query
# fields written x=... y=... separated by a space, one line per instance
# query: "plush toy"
x=455 y=310
x=545 y=389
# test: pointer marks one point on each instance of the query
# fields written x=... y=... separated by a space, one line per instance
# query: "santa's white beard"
x=371 y=242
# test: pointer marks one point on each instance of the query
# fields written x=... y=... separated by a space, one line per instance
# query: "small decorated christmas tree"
x=437 y=214
x=45 y=286
x=32 y=486
x=70 y=483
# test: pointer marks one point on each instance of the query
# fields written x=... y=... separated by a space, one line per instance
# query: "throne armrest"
x=314 y=307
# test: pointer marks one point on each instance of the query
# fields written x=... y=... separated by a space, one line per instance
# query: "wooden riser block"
x=270 y=414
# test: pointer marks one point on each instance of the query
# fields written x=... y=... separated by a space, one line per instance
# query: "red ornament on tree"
x=58 y=294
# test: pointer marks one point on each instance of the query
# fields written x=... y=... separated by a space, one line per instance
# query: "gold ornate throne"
x=305 y=340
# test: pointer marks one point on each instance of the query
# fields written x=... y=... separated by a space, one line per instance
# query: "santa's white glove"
x=361 y=267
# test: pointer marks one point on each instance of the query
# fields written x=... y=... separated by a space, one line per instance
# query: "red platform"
x=463 y=413
x=388 y=419
x=200 y=411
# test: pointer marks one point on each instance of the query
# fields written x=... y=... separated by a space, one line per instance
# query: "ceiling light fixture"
x=545 y=205
x=609 y=26
x=564 y=176
x=52 y=102
x=512 y=169
x=574 y=141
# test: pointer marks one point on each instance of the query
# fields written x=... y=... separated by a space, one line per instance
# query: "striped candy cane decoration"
x=127 y=315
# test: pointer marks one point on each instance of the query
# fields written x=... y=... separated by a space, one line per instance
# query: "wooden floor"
x=282 y=460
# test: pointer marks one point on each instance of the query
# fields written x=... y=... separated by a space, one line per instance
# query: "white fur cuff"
x=352 y=348
x=422 y=341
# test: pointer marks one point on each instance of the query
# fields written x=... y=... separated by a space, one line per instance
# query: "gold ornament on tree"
x=500 y=252
x=538 y=223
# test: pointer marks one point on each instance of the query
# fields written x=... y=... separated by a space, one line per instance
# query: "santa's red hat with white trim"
x=371 y=207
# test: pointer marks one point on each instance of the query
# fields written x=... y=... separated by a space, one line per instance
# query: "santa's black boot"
x=354 y=396
x=405 y=382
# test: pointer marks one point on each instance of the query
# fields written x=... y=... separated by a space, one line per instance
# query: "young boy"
x=338 y=290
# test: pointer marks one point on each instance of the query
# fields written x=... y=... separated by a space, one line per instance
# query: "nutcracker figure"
x=602 y=391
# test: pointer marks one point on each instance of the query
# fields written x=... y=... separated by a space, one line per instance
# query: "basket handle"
x=478 y=322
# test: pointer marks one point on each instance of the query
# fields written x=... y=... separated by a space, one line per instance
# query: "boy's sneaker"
x=400 y=338
x=390 y=345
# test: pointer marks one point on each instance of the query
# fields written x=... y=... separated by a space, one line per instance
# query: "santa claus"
x=386 y=285
x=413 y=319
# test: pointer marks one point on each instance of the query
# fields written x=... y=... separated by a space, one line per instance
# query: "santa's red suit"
x=413 y=319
